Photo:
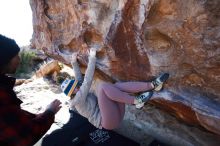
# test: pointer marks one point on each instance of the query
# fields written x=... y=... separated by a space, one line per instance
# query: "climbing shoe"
x=158 y=82
x=142 y=98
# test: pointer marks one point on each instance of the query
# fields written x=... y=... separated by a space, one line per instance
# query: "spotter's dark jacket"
x=19 y=127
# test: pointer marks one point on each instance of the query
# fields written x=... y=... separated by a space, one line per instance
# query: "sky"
x=16 y=20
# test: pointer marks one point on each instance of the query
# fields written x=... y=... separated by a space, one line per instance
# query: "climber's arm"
x=84 y=89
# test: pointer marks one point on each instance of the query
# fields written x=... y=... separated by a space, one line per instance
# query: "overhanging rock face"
x=140 y=39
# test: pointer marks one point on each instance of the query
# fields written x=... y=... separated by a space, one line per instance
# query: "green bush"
x=26 y=64
x=61 y=77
